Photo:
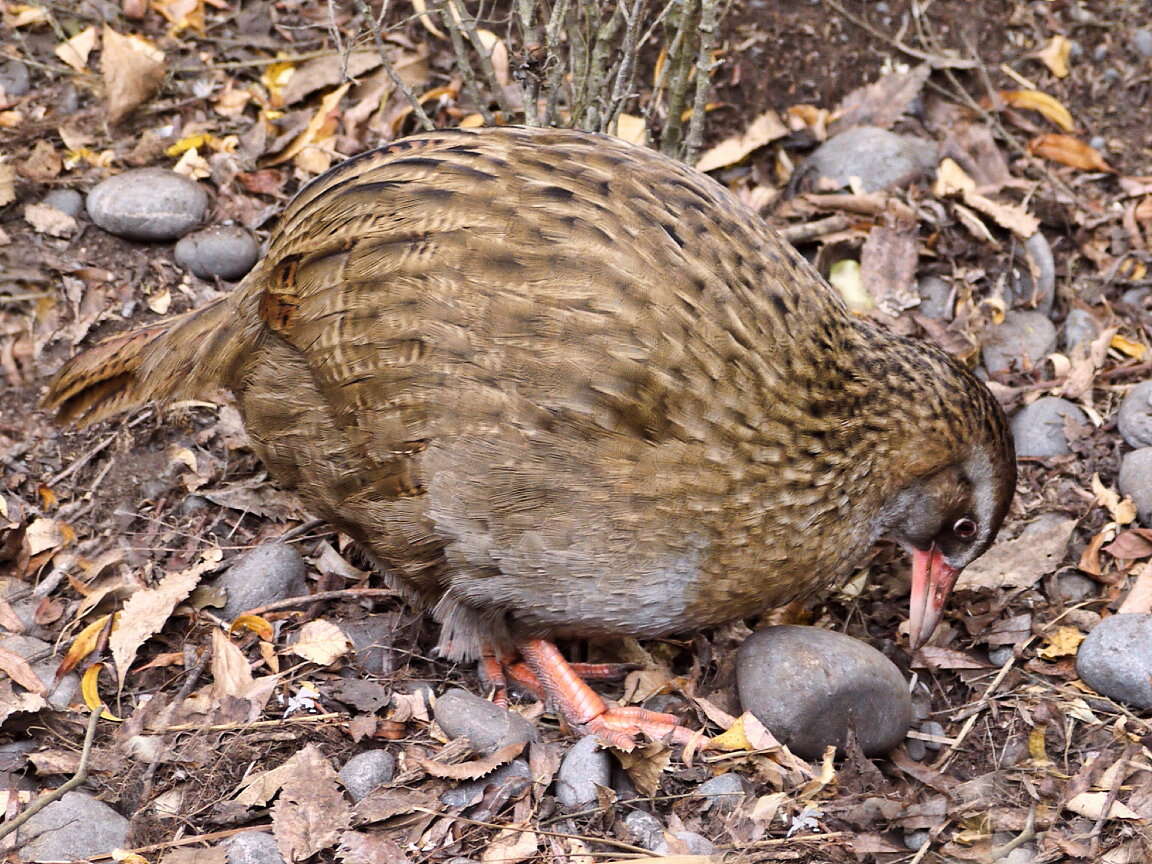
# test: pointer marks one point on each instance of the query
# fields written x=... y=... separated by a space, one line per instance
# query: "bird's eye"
x=964 y=528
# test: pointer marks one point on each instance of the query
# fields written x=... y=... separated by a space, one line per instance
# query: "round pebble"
x=224 y=251
x=515 y=776
x=1000 y=656
x=66 y=201
x=585 y=768
x=1080 y=328
x=148 y=204
x=76 y=826
x=723 y=793
x=1142 y=42
x=877 y=158
x=644 y=829
x=1019 y=343
x=261 y=575
x=933 y=727
x=684 y=843
x=1039 y=428
x=809 y=686
x=935 y=298
x=915 y=749
x=1035 y=291
x=489 y=727
x=14 y=79
x=1116 y=659
x=1136 y=481
x=365 y=771
x=253 y=847
x=914 y=840
x=372 y=637
x=1137 y=297
x=1135 y=416
x=1074 y=587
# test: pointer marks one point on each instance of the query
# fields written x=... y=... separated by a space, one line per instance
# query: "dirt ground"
x=1033 y=764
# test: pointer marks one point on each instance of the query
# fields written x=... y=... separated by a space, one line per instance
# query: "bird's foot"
x=586 y=712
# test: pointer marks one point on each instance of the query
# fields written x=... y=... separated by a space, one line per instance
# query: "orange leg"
x=585 y=711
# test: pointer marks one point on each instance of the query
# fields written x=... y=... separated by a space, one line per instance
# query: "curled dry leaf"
x=1091 y=805
x=321 y=642
x=20 y=671
x=881 y=103
x=1042 y=103
x=1022 y=561
x=311 y=812
x=1069 y=151
x=75 y=51
x=133 y=70
x=511 y=846
x=469 y=770
x=1055 y=54
x=764 y=129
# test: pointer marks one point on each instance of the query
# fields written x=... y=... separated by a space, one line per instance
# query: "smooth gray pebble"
x=1135 y=481
x=489 y=727
x=224 y=251
x=259 y=576
x=1116 y=659
x=365 y=771
x=1038 y=428
x=1020 y=342
x=585 y=768
x=1134 y=419
x=148 y=204
x=879 y=159
x=253 y=847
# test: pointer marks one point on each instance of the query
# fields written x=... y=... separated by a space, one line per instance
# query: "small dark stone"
x=1020 y=342
x=14 y=79
x=809 y=686
x=66 y=201
x=148 y=204
x=259 y=576
x=915 y=749
x=1073 y=587
x=644 y=829
x=1034 y=290
x=1039 y=428
x=372 y=638
x=1080 y=327
x=1135 y=416
x=489 y=727
x=515 y=774
x=225 y=251
x=585 y=768
x=933 y=727
x=1116 y=659
x=879 y=159
x=365 y=771
x=914 y=840
x=194 y=504
x=1135 y=481
x=724 y=792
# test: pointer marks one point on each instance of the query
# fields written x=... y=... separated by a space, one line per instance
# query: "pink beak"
x=932 y=581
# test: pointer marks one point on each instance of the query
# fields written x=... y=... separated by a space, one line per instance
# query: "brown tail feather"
x=183 y=356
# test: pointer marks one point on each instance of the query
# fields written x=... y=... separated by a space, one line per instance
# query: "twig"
x=183 y=841
x=704 y=66
x=936 y=61
x=810 y=230
x=617 y=844
x=467 y=23
x=463 y=63
x=1025 y=836
x=397 y=81
x=626 y=69
x=307 y=599
x=256 y=724
x=60 y=791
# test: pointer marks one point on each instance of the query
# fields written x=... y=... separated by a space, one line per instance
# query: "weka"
x=565 y=386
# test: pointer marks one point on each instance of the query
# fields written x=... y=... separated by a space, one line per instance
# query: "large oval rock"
x=875 y=157
x=227 y=251
x=585 y=768
x=262 y=575
x=1135 y=415
x=148 y=204
x=489 y=727
x=810 y=686
x=76 y=826
x=1135 y=481
x=1116 y=659
x=1039 y=428
x=1020 y=342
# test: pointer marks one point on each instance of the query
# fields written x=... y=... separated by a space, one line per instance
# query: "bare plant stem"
x=704 y=67
x=376 y=25
x=464 y=63
x=467 y=23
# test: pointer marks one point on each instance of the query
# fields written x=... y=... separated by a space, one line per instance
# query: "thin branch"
x=464 y=64
x=467 y=23
x=417 y=108
x=704 y=66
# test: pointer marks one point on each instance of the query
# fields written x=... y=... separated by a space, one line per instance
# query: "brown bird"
x=565 y=386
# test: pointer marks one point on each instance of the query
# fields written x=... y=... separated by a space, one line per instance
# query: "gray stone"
x=1039 y=428
x=723 y=793
x=1116 y=659
x=1000 y=656
x=66 y=201
x=516 y=774
x=253 y=847
x=372 y=637
x=1080 y=328
x=1135 y=481
x=915 y=749
x=684 y=843
x=1137 y=297
x=644 y=829
x=879 y=159
x=1142 y=42
x=1135 y=416
x=915 y=840
x=223 y=251
x=935 y=298
x=365 y=771
x=40 y=655
x=810 y=686
x=933 y=727
x=148 y=204
x=584 y=769
x=1020 y=342
x=76 y=826
x=489 y=727
x=1072 y=587
x=269 y=572
x=1034 y=290
x=14 y=79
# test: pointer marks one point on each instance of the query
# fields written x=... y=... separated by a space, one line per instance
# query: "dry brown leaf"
x=888 y=267
x=1011 y=216
x=75 y=51
x=321 y=73
x=1022 y=561
x=1069 y=151
x=1042 y=103
x=645 y=764
x=311 y=813
x=1061 y=642
x=45 y=533
x=382 y=804
x=22 y=702
x=20 y=671
x=881 y=103
x=7 y=184
x=511 y=846
x=1091 y=805
x=133 y=70
x=469 y=770
x=190 y=855
x=259 y=497
x=48 y=220
x=1131 y=544
x=320 y=642
x=1054 y=55
x=763 y=130
x=1139 y=599
x=643 y=684
x=147 y=610
x=370 y=847
x=231 y=674
x=83 y=645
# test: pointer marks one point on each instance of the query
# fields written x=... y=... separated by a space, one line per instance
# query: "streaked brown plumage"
x=567 y=386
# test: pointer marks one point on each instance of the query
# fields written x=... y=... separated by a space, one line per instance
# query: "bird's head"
x=948 y=518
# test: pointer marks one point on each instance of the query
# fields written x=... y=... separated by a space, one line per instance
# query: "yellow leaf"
x=1036 y=746
x=1061 y=642
x=952 y=179
x=1042 y=103
x=1129 y=347
x=631 y=129
x=90 y=690
x=846 y=277
x=1069 y=151
x=763 y=130
x=1054 y=55
x=253 y=623
x=733 y=739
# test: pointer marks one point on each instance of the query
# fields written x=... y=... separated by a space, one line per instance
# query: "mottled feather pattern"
x=561 y=384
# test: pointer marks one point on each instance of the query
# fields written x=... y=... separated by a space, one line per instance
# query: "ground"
x=92 y=516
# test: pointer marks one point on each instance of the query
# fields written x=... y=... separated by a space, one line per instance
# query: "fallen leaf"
x=1022 y=561
x=881 y=103
x=321 y=73
x=763 y=130
x=473 y=769
x=1054 y=55
x=1069 y=151
x=311 y=812
x=75 y=51
x=1042 y=103
x=20 y=671
x=888 y=267
x=1091 y=805
x=631 y=128
x=133 y=70
x=1129 y=347
x=368 y=847
x=320 y=642
x=1061 y=642
x=511 y=846
x=645 y=764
